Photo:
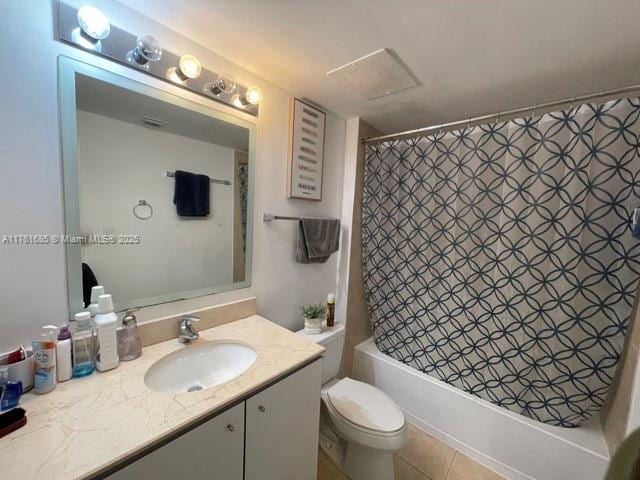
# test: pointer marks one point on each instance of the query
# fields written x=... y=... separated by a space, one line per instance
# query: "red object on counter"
x=17 y=356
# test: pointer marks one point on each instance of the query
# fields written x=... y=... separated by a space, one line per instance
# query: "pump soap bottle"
x=129 y=343
x=44 y=353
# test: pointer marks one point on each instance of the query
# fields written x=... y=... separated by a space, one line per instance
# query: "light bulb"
x=190 y=66
x=93 y=23
x=253 y=95
x=236 y=100
x=174 y=76
x=147 y=50
x=225 y=83
x=82 y=39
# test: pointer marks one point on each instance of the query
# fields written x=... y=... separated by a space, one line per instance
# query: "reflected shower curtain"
x=500 y=259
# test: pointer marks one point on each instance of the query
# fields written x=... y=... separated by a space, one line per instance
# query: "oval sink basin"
x=199 y=366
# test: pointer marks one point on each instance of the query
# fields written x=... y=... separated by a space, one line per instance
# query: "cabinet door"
x=282 y=425
x=212 y=451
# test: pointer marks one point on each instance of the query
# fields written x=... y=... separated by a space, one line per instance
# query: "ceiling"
x=472 y=57
x=115 y=102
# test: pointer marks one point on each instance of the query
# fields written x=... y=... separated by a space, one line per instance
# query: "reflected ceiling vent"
x=376 y=75
x=153 y=122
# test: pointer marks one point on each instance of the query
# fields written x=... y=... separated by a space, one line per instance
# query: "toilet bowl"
x=360 y=425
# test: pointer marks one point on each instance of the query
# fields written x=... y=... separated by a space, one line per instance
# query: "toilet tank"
x=332 y=339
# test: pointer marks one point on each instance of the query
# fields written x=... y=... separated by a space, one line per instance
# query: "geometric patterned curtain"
x=499 y=258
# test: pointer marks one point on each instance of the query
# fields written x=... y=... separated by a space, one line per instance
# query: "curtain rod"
x=507 y=113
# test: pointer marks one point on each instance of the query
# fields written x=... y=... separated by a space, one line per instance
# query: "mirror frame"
x=68 y=68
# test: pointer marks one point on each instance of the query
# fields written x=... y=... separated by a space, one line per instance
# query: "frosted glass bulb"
x=225 y=83
x=93 y=23
x=190 y=66
x=147 y=50
x=253 y=95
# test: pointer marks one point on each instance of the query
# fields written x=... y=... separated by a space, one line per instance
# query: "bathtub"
x=514 y=446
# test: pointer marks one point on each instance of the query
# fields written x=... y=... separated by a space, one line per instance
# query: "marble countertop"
x=87 y=424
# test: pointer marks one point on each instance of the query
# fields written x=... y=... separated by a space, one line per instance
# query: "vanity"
x=271 y=435
x=260 y=425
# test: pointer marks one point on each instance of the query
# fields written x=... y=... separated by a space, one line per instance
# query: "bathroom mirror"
x=158 y=191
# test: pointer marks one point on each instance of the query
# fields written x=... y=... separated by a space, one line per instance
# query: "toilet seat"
x=365 y=414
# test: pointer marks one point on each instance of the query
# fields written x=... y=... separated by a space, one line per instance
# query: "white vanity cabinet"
x=272 y=435
x=282 y=424
x=212 y=451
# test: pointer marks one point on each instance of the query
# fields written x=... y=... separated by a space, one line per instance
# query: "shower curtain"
x=500 y=258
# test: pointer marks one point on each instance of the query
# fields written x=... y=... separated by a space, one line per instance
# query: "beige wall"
x=354 y=306
x=620 y=408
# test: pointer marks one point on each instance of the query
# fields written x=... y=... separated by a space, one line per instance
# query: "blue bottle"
x=10 y=391
x=82 y=342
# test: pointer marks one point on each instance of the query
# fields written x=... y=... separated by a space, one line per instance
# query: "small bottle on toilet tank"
x=331 y=310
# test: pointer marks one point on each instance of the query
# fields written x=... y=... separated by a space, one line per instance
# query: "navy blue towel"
x=191 y=196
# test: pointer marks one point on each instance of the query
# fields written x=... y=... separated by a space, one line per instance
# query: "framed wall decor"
x=306 y=151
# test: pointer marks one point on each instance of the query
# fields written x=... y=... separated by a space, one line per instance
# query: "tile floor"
x=423 y=458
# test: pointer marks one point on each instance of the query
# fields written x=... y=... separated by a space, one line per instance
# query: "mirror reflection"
x=163 y=196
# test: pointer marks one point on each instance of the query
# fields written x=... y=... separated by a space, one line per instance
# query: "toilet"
x=360 y=425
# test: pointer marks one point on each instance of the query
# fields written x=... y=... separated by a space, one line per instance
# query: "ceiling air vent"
x=376 y=75
x=153 y=122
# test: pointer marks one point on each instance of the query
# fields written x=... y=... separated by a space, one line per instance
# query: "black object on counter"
x=12 y=420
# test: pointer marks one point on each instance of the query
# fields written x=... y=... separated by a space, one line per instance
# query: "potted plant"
x=313 y=315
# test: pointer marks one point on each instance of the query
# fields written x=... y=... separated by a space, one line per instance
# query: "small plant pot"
x=313 y=326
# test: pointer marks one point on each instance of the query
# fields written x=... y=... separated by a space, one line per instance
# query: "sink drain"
x=194 y=388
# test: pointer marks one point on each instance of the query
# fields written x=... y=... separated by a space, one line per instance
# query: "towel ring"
x=143 y=203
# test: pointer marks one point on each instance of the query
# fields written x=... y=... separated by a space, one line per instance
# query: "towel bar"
x=213 y=180
x=267 y=217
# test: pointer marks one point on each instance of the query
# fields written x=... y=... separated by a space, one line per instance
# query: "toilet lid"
x=365 y=406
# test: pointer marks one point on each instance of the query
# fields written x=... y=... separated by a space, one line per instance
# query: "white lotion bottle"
x=106 y=325
x=64 y=368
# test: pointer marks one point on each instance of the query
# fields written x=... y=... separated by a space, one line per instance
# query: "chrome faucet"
x=188 y=333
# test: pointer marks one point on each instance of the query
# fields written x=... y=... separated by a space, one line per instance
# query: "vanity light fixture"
x=189 y=67
x=91 y=30
x=93 y=27
x=147 y=50
x=253 y=96
x=225 y=83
